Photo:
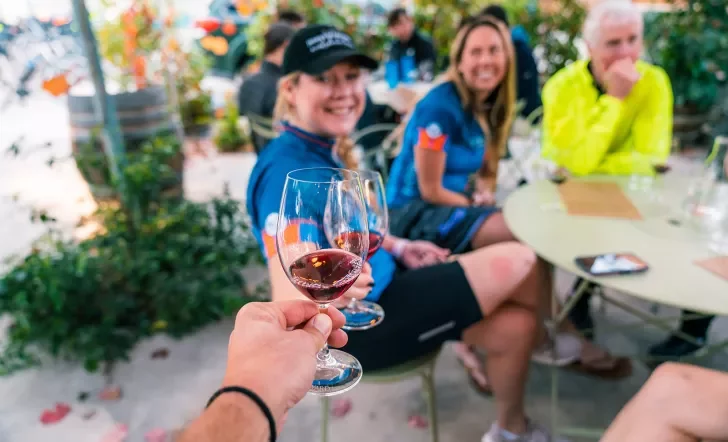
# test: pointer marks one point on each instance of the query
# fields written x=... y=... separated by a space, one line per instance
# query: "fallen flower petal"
x=117 y=434
x=49 y=417
x=417 y=421
x=63 y=408
x=155 y=435
x=110 y=393
x=341 y=407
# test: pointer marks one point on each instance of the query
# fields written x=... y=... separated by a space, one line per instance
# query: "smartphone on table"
x=612 y=264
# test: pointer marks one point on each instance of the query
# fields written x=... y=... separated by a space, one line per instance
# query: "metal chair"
x=261 y=128
x=379 y=157
x=423 y=367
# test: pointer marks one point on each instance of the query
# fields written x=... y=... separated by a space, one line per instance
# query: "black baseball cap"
x=317 y=48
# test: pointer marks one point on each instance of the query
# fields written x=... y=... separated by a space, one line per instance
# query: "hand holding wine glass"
x=318 y=204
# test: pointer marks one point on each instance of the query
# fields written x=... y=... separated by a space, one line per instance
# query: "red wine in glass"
x=325 y=275
x=375 y=241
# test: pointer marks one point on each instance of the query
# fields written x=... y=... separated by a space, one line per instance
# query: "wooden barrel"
x=143 y=115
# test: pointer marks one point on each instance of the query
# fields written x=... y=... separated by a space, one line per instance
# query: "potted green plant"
x=128 y=43
x=195 y=104
x=690 y=44
x=230 y=137
x=554 y=31
x=156 y=267
x=349 y=16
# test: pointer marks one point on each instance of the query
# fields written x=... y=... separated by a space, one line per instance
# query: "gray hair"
x=609 y=10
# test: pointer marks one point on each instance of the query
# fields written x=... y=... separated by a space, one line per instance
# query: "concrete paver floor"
x=167 y=393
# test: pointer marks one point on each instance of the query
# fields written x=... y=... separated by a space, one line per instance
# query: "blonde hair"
x=284 y=111
x=497 y=120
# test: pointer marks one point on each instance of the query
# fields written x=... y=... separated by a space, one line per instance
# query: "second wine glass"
x=363 y=315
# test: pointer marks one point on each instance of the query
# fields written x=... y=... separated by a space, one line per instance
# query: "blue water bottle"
x=408 y=67
x=391 y=73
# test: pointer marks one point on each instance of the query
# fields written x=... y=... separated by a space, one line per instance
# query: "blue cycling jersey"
x=439 y=123
x=297 y=149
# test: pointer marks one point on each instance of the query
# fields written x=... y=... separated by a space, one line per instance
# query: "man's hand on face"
x=621 y=77
x=273 y=347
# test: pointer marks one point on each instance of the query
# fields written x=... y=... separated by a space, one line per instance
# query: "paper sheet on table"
x=603 y=199
x=717 y=266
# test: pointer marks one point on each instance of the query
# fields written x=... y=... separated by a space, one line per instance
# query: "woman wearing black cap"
x=488 y=298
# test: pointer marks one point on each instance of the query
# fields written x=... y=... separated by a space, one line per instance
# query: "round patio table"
x=536 y=217
x=400 y=98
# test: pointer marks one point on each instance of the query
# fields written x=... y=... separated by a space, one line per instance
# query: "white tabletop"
x=534 y=215
x=400 y=98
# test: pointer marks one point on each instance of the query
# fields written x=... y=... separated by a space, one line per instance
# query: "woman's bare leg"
x=679 y=403
x=505 y=280
x=493 y=231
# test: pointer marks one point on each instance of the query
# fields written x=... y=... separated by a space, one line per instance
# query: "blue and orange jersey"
x=438 y=123
x=296 y=149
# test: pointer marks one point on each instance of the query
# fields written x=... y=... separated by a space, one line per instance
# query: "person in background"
x=458 y=131
x=527 y=79
x=257 y=95
x=292 y=18
x=488 y=297
x=408 y=40
x=612 y=115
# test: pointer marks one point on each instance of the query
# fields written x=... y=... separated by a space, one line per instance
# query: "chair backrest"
x=378 y=158
x=262 y=129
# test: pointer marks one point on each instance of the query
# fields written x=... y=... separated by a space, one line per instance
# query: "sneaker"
x=567 y=350
x=674 y=348
x=534 y=433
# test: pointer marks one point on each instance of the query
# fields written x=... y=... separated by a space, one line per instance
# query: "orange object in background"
x=229 y=28
x=57 y=85
x=140 y=72
x=60 y=21
x=245 y=8
x=216 y=45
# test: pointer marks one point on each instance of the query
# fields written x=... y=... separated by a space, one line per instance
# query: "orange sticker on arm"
x=431 y=137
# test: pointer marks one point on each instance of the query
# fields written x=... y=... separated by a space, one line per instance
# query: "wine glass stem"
x=352 y=304
x=324 y=355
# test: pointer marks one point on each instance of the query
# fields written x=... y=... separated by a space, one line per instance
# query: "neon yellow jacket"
x=591 y=133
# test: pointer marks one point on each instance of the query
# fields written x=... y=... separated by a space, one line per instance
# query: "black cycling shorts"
x=423 y=309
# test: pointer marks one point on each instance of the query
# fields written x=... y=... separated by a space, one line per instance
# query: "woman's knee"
x=495 y=273
x=668 y=379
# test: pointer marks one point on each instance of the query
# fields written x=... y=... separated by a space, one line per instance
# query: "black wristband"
x=255 y=398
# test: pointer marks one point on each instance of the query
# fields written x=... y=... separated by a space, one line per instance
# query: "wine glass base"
x=338 y=373
x=362 y=316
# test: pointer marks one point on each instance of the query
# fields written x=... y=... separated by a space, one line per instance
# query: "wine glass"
x=318 y=204
x=363 y=315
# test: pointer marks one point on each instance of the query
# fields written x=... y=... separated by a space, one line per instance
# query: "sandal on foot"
x=468 y=359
